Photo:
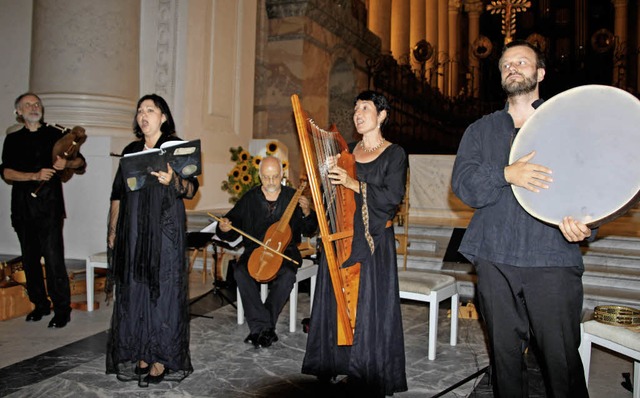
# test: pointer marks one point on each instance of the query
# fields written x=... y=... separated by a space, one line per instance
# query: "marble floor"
x=41 y=362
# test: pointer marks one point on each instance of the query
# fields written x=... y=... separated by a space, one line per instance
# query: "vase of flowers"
x=243 y=176
x=245 y=173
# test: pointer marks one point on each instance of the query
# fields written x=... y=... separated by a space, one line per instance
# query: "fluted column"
x=417 y=21
x=84 y=61
x=443 y=43
x=380 y=22
x=620 y=32
x=400 y=30
x=454 y=47
x=474 y=9
x=431 y=30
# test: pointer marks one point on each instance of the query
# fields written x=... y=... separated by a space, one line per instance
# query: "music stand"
x=205 y=238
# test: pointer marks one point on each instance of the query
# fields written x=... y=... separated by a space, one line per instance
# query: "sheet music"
x=211 y=228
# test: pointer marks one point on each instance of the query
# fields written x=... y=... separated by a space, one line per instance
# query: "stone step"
x=599 y=275
x=616 y=243
x=422 y=243
x=420 y=230
x=196 y=220
x=603 y=295
x=612 y=258
x=420 y=260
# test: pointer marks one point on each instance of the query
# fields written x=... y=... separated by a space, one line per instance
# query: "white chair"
x=97 y=260
x=308 y=270
x=431 y=288
x=615 y=338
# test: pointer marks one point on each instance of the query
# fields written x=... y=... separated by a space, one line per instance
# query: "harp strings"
x=326 y=150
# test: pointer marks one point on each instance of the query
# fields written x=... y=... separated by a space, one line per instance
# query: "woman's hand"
x=339 y=176
x=164 y=177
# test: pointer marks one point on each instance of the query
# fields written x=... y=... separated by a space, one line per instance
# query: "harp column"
x=84 y=61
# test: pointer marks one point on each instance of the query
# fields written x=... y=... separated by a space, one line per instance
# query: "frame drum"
x=589 y=136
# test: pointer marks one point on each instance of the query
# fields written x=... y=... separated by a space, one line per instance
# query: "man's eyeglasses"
x=34 y=105
x=274 y=178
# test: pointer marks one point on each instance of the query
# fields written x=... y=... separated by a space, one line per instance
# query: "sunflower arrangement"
x=244 y=174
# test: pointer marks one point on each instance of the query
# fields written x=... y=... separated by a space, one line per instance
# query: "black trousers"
x=544 y=301
x=262 y=316
x=43 y=238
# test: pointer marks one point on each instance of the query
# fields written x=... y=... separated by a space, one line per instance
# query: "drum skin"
x=589 y=136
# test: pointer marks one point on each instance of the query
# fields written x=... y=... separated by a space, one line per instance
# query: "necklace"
x=375 y=148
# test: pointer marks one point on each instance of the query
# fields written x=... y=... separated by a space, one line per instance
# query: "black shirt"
x=29 y=151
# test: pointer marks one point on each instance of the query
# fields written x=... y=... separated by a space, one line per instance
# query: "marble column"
x=400 y=30
x=431 y=30
x=417 y=23
x=85 y=66
x=620 y=32
x=454 y=47
x=474 y=9
x=84 y=61
x=443 y=44
x=380 y=22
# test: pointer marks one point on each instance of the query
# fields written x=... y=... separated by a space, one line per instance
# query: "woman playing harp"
x=375 y=363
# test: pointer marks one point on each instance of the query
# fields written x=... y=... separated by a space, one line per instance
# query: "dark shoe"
x=267 y=337
x=151 y=379
x=253 y=339
x=37 y=314
x=141 y=371
x=60 y=320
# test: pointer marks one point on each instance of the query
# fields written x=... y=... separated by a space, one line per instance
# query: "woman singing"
x=149 y=337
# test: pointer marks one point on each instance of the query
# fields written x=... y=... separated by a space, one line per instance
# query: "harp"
x=335 y=206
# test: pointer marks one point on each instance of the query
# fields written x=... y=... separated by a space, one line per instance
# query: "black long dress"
x=148 y=264
x=376 y=359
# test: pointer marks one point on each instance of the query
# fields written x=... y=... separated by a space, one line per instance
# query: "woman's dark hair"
x=168 y=127
x=379 y=101
x=541 y=62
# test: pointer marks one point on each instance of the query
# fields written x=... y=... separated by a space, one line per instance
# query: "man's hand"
x=44 y=174
x=303 y=202
x=224 y=224
x=574 y=231
x=527 y=175
x=60 y=163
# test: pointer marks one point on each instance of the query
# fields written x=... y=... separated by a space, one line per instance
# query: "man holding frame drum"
x=529 y=272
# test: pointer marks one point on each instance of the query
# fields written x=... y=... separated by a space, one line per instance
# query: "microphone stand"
x=215 y=290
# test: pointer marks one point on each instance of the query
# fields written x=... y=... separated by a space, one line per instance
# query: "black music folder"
x=183 y=156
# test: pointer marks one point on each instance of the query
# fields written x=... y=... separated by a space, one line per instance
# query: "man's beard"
x=272 y=188
x=516 y=88
x=31 y=118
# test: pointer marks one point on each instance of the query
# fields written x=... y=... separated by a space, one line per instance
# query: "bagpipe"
x=68 y=148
